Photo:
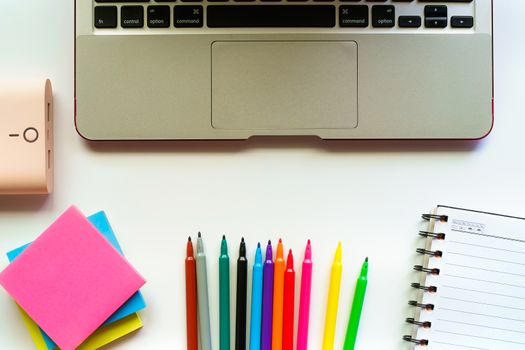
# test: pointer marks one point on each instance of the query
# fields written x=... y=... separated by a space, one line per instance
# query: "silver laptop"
x=233 y=69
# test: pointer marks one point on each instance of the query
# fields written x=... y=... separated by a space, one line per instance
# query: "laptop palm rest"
x=284 y=85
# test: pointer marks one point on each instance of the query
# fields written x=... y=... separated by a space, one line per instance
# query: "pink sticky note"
x=70 y=280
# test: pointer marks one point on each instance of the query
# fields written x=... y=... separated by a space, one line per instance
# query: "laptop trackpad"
x=284 y=85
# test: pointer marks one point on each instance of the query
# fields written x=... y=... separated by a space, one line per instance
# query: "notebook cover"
x=134 y=304
x=478 y=281
x=70 y=280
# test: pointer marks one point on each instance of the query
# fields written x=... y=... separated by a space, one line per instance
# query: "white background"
x=367 y=194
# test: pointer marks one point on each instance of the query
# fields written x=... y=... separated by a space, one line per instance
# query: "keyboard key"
x=436 y=16
x=265 y=16
x=436 y=22
x=188 y=16
x=132 y=16
x=108 y=1
x=462 y=21
x=105 y=17
x=383 y=16
x=409 y=21
x=158 y=16
x=436 y=11
x=353 y=16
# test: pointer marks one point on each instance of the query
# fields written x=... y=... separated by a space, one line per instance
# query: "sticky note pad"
x=103 y=336
x=134 y=304
x=70 y=280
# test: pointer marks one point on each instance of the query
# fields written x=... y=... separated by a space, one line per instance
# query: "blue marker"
x=257 y=288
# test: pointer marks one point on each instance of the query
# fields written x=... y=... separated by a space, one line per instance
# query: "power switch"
x=30 y=135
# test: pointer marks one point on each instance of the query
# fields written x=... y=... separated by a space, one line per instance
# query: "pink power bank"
x=26 y=138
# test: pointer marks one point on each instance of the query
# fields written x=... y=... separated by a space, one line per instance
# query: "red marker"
x=288 y=303
x=191 y=298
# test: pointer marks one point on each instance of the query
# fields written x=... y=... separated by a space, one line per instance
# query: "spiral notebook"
x=472 y=287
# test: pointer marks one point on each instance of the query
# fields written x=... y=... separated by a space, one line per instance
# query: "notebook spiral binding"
x=419 y=324
x=428 y=271
x=428 y=289
x=409 y=338
x=427 y=234
x=437 y=253
x=428 y=307
x=428 y=217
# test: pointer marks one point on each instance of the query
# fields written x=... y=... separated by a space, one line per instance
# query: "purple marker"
x=267 y=304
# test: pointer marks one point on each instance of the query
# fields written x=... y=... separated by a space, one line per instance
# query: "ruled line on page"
x=492 y=236
x=485 y=281
x=479 y=337
x=487 y=247
x=483 y=292
x=459 y=345
x=480 y=314
x=482 y=326
x=488 y=270
x=488 y=304
x=485 y=258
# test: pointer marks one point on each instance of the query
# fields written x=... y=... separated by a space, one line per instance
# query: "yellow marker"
x=333 y=300
x=278 y=295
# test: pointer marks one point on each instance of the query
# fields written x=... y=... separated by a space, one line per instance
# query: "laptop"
x=233 y=69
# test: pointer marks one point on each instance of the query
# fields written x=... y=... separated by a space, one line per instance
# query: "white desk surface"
x=367 y=194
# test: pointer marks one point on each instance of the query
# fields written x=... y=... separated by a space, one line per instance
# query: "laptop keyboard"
x=171 y=15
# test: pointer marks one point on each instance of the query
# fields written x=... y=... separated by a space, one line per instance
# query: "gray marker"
x=202 y=297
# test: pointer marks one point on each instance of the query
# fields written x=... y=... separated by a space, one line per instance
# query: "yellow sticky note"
x=34 y=331
x=103 y=336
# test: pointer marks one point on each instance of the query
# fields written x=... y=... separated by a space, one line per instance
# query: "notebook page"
x=480 y=297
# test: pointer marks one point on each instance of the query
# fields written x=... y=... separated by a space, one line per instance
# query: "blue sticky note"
x=134 y=304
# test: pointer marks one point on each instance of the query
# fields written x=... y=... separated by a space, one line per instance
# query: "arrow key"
x=409 y=21
x=462 y=21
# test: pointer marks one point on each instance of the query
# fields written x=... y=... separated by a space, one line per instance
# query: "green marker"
x=224 y=297
x=357 y=306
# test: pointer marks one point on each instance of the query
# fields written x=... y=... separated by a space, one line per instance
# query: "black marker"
x=242 y=277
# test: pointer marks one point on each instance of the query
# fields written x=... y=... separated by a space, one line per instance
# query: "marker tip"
x=269 y=242
x=242 y=239
x=199 y=235
x=258 y=244
x=223 y=237
x=366 y=260
x=280 y=240
x=309 y=242
x=189 y=239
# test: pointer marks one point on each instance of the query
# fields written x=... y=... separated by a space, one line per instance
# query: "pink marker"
x=304 y=304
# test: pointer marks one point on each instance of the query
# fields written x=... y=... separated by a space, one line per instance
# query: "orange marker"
x=278 y=293
x=191 y=298
x=289 y=301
